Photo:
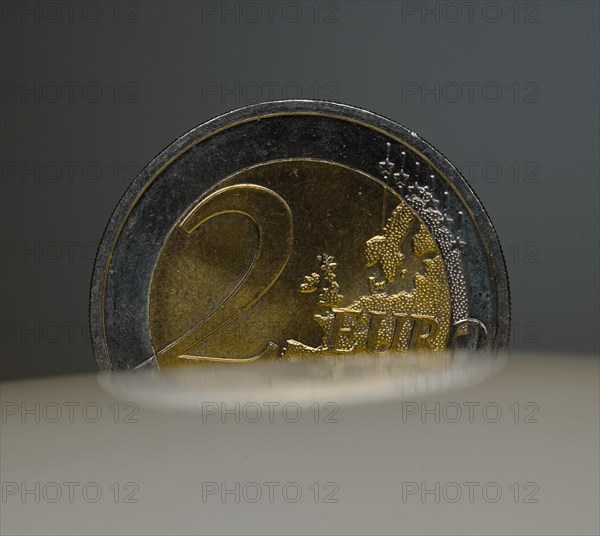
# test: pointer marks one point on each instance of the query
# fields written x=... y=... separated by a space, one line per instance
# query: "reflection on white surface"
x=346 y=379
x=514 y=454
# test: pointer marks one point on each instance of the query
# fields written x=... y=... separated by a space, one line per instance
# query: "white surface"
x=369 y=454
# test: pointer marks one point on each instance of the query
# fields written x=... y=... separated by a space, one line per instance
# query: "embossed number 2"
x=273 y=219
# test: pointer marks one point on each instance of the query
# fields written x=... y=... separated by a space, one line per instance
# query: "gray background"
x=144 y=73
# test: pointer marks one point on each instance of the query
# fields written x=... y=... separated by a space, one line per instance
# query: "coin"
x=295 y=229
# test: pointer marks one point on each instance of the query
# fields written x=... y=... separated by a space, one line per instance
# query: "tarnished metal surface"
x=294 y=229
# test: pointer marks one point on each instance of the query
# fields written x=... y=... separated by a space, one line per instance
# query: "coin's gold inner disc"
x=298 y=258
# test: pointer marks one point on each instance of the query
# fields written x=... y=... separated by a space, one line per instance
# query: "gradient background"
x=143 y=73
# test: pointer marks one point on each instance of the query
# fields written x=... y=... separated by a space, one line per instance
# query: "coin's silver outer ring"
x=266 y=109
